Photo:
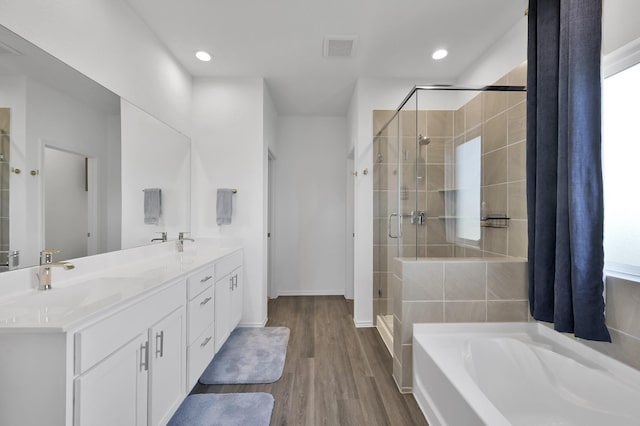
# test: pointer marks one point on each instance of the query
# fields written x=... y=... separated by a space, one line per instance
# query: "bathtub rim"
x=469 y=391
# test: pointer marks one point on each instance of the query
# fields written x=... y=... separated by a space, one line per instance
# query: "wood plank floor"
x=334 y=374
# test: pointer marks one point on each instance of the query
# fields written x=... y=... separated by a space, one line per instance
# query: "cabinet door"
x=222 y=310
x=236 y=296
x=167 y=355
x=114 y=392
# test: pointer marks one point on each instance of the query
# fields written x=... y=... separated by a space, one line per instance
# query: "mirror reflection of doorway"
x=66 y=203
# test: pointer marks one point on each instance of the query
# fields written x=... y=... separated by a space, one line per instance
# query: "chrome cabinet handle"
x=205 y=301
x=207 y=278
x=160 y=347
x=144 y=352
x=204 y=343
x=231 y=283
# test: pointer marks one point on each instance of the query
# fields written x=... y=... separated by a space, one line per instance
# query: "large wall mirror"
x=74 y=161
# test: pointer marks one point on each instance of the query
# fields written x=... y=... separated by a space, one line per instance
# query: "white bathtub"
x=518 y=374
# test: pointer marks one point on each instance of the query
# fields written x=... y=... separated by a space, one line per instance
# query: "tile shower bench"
x=121 y=339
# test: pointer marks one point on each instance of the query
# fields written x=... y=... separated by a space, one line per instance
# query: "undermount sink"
x=53 y=305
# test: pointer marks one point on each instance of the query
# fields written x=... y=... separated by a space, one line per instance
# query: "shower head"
x=423 y=140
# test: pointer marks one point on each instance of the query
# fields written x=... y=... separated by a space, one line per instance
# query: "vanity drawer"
x=199 y=280
x=101 y=339
x=227 y=264
x=199 y=354
x=201 y=313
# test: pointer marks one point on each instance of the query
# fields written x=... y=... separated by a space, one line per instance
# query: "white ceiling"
x=281 y=40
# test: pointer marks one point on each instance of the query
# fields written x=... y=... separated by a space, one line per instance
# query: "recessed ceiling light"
x=203 y=56
x=440 y=54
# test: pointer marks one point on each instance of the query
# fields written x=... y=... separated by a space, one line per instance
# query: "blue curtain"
x=564 y=167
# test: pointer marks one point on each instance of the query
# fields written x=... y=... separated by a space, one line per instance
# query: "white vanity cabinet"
x=228 y=296
x=200 y=349
x=167 y=367
x=120 y=347
x=236 y=298
x=141 y=382
x=119 y=381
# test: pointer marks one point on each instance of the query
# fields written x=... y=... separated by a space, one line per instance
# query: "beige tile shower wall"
x=500 y=119
x=438 y=158
x=453 y=290
x=623 y=321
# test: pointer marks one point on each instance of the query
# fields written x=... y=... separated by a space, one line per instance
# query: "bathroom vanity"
x=122 y=345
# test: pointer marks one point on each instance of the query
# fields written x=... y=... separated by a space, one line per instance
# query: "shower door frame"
x=415 y=215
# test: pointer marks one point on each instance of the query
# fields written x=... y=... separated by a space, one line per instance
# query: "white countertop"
x=90 y=294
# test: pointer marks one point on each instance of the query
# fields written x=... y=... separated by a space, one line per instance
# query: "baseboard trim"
x=253 y=324
x=405 y=390
x=311 y=293
x=363 y=324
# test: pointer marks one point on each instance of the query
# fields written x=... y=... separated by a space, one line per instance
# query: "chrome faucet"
x=162 y=238
x=181 y=240
x=44 y=271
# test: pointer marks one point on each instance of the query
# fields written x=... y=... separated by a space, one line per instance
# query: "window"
x=468 y=177
x=621 y=171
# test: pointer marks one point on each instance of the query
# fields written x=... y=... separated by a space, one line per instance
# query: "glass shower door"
x=387 y=230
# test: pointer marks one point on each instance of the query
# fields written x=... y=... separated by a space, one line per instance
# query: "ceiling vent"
x=339 y=46
x=8 y=50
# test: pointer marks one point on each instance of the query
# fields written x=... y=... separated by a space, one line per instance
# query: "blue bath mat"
x=250 y=355
x=224 y=409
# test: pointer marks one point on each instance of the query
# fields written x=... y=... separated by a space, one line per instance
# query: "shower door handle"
x=399 y=216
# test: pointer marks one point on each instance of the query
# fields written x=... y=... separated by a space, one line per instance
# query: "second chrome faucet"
x=181 y=240
x=44 y=270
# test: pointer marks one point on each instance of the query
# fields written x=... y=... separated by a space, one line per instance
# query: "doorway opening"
x=70 y=208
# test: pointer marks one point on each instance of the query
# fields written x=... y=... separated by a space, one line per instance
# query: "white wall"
x=352 y=205
x=153 y=156
x=113 y=204
x=505 y=54
x=620 y=23
x=270 y=126
x=310 y=200
x=108 y=42
x=229 y=151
